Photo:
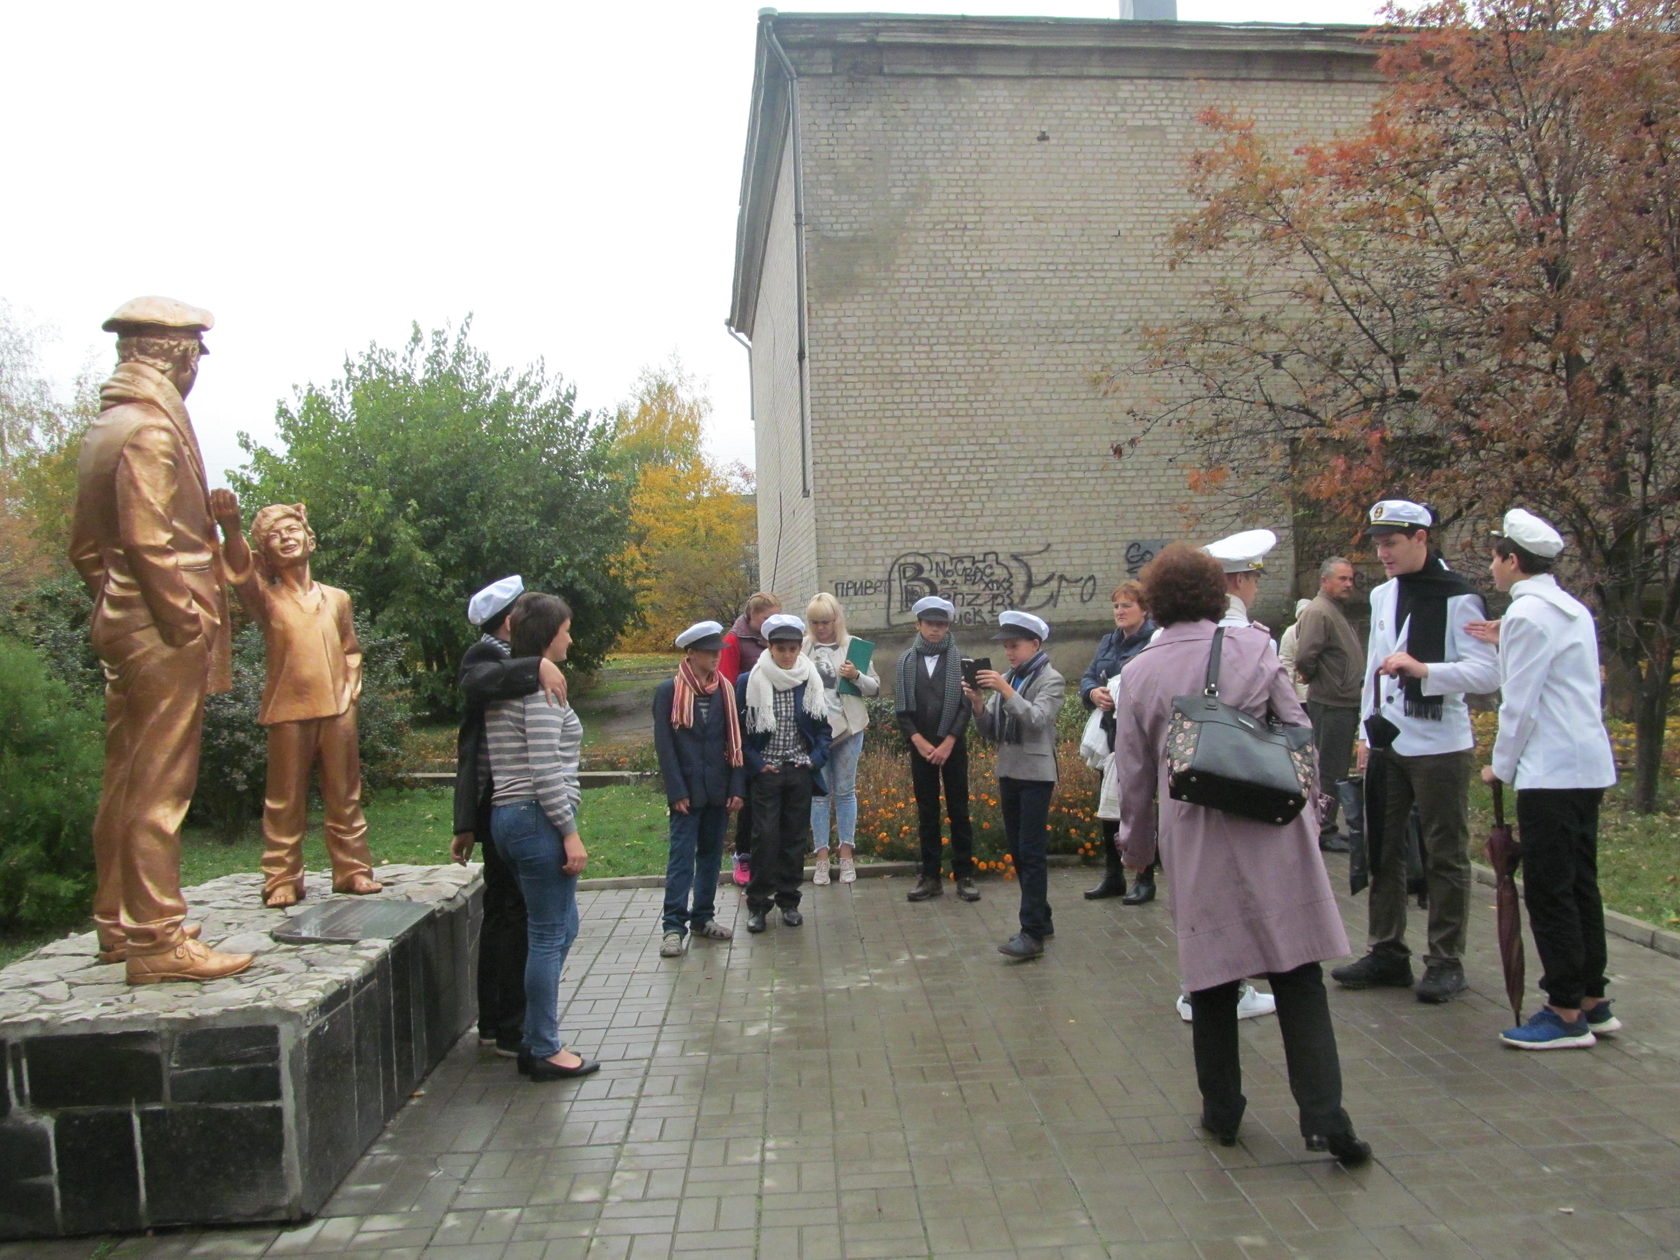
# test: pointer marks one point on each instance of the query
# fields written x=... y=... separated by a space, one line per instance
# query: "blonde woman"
x=827 y=643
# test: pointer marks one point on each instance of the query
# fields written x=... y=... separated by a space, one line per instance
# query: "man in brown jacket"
x=1328 y=655
x=143 y=541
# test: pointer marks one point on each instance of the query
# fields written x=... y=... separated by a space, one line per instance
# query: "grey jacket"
x=1036 y=708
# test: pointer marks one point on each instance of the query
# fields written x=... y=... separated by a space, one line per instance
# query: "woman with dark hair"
x=1132 y=628
x=1248 y=898
x=534 y=749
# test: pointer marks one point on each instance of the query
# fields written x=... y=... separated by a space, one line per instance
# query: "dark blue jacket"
x=695 y=760
x=1113 y=651
x=815 y=730
x=487 y=675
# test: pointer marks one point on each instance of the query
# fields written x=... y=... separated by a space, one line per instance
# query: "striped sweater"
x=534 y=750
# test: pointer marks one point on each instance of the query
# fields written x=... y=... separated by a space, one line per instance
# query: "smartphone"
x=971 y=667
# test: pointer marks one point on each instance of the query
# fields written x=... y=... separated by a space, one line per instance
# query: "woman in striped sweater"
x=534 y=747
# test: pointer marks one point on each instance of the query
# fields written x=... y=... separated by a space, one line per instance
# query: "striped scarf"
x=682 y=706
x=953 y=712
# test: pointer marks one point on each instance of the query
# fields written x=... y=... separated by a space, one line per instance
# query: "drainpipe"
x=768 y=17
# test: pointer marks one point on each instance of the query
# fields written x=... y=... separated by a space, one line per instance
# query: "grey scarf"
x=951 y=713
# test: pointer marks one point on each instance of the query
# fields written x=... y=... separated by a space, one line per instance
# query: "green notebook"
x=859 y=652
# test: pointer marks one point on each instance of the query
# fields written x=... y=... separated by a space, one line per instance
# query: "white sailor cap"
x=1244 y=552
x=933 y=608
x=1013 y=624
x=703 y=636
x=782 y=628
x=1531 y=533
x=494 y=599
x=1395 y=515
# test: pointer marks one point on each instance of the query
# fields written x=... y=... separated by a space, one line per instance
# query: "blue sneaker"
x=1545 y=1030
x=1601 y=1021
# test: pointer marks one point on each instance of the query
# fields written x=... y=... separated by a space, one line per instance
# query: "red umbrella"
x=1503 y=853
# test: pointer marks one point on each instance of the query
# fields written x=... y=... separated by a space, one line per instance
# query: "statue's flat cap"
x=161 y=313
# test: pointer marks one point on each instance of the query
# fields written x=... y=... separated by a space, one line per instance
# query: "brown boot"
x=119 y=952
x=185 y=960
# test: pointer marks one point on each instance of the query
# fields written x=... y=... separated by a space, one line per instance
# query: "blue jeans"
x=531 y=846
x=696 y=856
x=1025 y=804
x=841 y=773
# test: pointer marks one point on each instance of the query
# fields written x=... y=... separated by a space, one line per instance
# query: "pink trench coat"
x=1246 y=897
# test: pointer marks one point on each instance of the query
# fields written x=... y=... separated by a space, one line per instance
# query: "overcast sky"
x=322 y=175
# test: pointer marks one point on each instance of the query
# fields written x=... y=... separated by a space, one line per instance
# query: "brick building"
x=948 y=228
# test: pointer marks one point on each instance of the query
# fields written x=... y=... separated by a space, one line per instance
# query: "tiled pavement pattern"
x=882 y=1082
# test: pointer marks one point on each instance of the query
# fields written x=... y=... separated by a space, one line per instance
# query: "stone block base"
x=245 y=1099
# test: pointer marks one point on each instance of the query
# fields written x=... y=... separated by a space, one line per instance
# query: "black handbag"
x=1222 y=758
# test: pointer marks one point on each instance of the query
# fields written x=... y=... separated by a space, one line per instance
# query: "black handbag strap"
x=1212 y=686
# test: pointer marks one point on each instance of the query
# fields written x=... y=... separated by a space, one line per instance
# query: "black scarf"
x=953 y=712
x=1020 y=678
x=1421 y=606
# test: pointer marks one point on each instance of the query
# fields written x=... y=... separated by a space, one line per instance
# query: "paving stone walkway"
x=882 y=1082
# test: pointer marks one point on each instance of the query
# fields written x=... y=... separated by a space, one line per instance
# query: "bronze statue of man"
x=144 y=542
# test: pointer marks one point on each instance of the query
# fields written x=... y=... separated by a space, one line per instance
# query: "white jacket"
x=1470 y=665
x=1551 y=719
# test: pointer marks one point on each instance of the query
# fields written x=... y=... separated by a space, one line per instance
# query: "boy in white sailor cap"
x=785 y=747
x=934 y=719
x=697 y=735
x=1416 y=747
x=1552 y=746
x=1020 y=717
x=1243 y=558
x=489 y=673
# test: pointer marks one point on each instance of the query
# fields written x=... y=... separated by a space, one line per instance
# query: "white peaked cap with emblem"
x=494 y=599
x=1531 y=533
x=1013 y=624
x=1392 y=515
x=705 y=635
x=1243 y=553
x=934 y=608
x=782 y=627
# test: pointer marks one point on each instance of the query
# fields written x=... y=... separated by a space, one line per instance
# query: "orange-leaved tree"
x=1475 y=300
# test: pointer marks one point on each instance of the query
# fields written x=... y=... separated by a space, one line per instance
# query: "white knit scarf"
x=767 y=678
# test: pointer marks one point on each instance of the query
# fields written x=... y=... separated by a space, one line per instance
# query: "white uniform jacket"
x=1551 y=717
x=1470 y=665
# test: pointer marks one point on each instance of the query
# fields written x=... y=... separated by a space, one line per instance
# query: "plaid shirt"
x=787 y=745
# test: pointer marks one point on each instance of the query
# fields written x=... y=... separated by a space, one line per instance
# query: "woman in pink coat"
x=1247 y=898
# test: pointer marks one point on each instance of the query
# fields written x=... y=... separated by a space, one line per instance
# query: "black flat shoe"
x=1224 y=1134
x=543 y=1070
x=1141 y=893
x=1347 y=1149
x=755 y=922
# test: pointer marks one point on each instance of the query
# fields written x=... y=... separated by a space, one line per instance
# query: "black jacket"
x=816 y=731
x=695 y=760
x=486 y=675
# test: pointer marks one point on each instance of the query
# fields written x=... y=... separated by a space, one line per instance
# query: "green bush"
x=51 y=748
x=53 y=618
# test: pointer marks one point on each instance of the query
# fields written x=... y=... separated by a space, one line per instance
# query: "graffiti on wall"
x=979 y=584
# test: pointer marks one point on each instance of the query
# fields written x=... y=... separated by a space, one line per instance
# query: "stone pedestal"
x=245 y=1099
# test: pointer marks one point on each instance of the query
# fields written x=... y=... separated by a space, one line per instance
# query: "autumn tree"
x=1472 y=301
x=429 y=472
x=690 y=553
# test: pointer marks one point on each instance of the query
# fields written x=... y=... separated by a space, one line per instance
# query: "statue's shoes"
x=185 y=960
x=120 y=952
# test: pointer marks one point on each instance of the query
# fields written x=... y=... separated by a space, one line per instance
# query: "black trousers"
x=501 y=946
x=1309 y=1049
x=1025 y=805
x=925 y=780
x=781 y=815
x=1559 y=832
x=1333 y=728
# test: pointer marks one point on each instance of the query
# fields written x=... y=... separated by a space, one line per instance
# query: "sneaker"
x=1441 y=982
x=672 y=945
x=848 y=871
x=1546 y=1030
x=1601 y=1021
x=1374 y=970
x=743 y=869
x=712 y=930
x=820 y=878
x=1251 y=1004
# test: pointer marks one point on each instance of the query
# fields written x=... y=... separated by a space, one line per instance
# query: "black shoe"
x=792 y=918
x=927 y=886
x=1226 y=1134
x=1334 y=843
x=1110 y=887
x=1375 y=970
x=755 y=921
x=1142 y=893
x=543 y=1070
x=509 y=1047
x=966 y=891
x=1022 y=945
x=1441 y=982
x=1349 y=1151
